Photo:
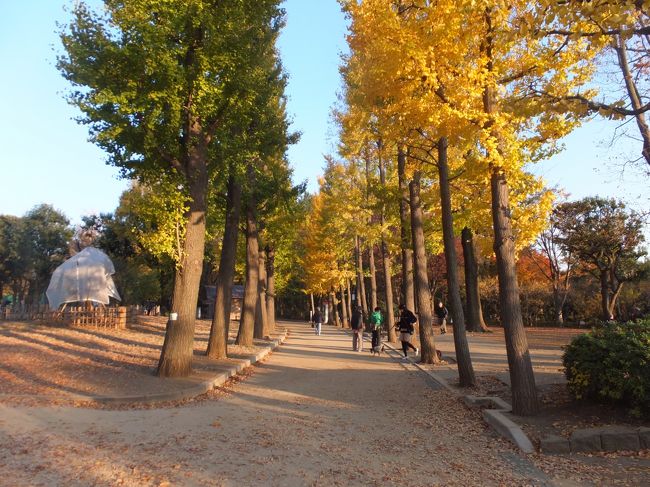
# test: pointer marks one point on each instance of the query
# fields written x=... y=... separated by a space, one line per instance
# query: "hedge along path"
x=315 y=413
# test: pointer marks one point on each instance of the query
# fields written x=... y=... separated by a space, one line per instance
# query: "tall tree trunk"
x=385 y=257
x=388 y=293
x=326 y=307
x=260 y=328
x=425 y=316
x=465 y=369
x=558 y=302
x=349 y=303
x=633 y=94
x=218 y=340
x=475 y=320
x=335 y=310
x=522 y=379
x=361 y=286
x=373 y=277
x=408 y=292
x=270 y=289
x=371 y=247
x=616 y=287
x=313 y=307
x=251 y=294
x=604 y=294
x=178 y=346
x=344 y=312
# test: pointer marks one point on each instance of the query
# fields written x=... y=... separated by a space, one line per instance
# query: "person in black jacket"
x=356 y=323
x=441 y=314
x=406 y=327
x=318 y=321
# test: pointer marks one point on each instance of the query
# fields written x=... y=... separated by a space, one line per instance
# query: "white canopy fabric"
x=83 y=277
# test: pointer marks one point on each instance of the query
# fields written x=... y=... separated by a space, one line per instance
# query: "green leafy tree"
x=156 y=83
x=605 y=238
x=31 y=248
x=13 y=264
x=130 y=237
x=46 y=234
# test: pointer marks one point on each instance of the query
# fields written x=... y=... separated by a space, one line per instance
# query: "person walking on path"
x=356 y=322
x=318 y=321
x=406 y=328
x=441 y=314
x=376 y=322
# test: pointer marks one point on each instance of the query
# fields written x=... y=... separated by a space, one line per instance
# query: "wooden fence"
x=84 y=316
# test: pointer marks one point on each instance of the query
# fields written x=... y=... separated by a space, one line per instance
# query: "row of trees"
x=445 y=104
x=597 y=236
x=31 y=247
x=187 y=98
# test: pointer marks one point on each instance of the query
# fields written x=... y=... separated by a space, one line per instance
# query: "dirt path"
x=315 y=413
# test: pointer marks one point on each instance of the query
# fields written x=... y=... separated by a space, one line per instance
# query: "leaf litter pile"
x=53 y=365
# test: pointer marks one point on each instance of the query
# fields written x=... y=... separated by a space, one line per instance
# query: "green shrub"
x=612 y=364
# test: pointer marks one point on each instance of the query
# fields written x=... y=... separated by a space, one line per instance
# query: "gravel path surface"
x=315 y=413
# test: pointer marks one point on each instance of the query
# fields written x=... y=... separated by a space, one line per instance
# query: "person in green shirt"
x=376 y=322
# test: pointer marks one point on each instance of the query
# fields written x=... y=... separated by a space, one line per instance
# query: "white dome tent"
x=83 y=277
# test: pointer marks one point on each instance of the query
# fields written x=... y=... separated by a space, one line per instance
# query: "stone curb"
x=509 y=429
x=189 y=392
x=494 y=417
x=609 y=438
x=606 y=438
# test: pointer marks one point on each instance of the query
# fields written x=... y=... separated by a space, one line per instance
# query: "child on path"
x=376 y=322
x=406 y=329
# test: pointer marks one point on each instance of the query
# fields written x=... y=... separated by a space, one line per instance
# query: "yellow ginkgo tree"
x=468 y=72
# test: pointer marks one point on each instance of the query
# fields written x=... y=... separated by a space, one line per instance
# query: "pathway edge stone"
x=495 y=417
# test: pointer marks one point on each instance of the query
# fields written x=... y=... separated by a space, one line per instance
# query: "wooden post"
x=121 y=317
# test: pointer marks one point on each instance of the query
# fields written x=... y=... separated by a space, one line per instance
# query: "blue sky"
x=45 y=157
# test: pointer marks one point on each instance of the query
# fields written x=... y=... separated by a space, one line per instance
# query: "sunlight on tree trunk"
x=475 y=320
x=463 y=359
x=218 y=340
x=425 y=315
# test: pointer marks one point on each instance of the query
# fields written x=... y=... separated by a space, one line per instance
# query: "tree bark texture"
x=349 y=303
x=261 y=325
x=463 y=358
x=218 y=340
x=475 y=320
x=558 y=304
x=388 y=293
x=522 y=379
x=270 y=289
x=371 y=247
x=604 y=294
x=634 y=95
x=616 y=291
x=344 y=312
x=335 y=309
x=386 y=262
x=361 y=285
x=373 y=277
x=425 y=316
x=178 y=346
x=251 y=294
x=407 y=291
